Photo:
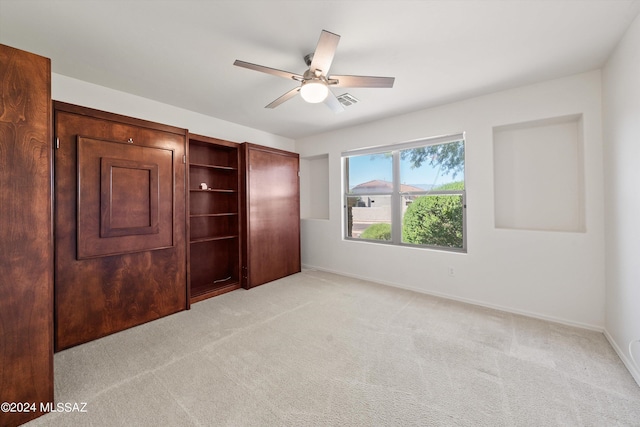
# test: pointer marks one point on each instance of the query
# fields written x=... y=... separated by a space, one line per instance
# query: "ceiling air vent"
x=347 y=100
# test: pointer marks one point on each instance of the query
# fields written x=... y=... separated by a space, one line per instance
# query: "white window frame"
x=396 y=194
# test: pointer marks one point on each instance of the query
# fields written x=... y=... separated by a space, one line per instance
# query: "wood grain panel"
x=129 y=195
x=125 y=198
x=26 y=254
x=272 y=212
x=99 y=296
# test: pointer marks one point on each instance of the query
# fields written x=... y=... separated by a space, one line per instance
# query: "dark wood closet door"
x=272 y=214
x=26 y=237
x=119 y=223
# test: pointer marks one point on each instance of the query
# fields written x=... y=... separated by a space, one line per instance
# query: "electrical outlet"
x=451 y=272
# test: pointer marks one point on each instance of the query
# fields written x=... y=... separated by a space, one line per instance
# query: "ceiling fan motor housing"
x=308 y=58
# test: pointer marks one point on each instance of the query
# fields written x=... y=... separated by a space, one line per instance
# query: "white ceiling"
x=181 y=52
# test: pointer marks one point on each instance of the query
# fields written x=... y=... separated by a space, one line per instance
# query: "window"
x=407 y=194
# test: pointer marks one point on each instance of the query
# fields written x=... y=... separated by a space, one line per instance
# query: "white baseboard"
x=531 y=314
x=624 y=356
x=626 y=359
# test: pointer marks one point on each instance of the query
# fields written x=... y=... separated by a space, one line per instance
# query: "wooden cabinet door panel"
x=125 y=198
x=26 y=236
x=272 y=203
x=119 y=221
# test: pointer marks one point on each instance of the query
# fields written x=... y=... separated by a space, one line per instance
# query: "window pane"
x=434 y=220
x=369 y=217
x=370 y=173
x=429 y=205
x=434 y=167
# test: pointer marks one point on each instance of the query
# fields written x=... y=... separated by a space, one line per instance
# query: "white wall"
x=538 y=177
x=73 y=91
x=549 y=274
x=314 y=177
x=621 y=108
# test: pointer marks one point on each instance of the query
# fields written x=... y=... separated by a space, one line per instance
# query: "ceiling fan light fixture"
x=314 y=91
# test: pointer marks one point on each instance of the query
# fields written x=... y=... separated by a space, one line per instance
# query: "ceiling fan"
x=316 y=81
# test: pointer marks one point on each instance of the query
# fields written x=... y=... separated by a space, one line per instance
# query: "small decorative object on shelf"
x=203 y=186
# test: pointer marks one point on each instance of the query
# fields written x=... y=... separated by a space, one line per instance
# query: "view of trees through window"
x=411 y=195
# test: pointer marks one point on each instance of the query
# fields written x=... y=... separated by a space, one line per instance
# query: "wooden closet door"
x=26 y=237
x=272 y=214
x=119 y=221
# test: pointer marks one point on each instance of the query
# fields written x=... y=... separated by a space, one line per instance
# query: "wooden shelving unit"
x=214 y=217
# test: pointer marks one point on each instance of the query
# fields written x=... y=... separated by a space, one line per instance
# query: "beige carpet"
x=317 y=349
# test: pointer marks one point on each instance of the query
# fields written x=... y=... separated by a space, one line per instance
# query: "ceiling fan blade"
x=325 y=50
x=287 y=96
x=263 y=69
x=361 y=81
x=332 y=102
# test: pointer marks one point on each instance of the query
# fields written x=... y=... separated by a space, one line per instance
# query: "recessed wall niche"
x=539 y=175
x=314 y=183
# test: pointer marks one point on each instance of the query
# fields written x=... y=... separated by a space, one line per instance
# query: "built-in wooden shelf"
x=215 y=214
x=210 y=239
x=222 y=168
x=214 y=219
x=212 y=190
x=209 y=290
